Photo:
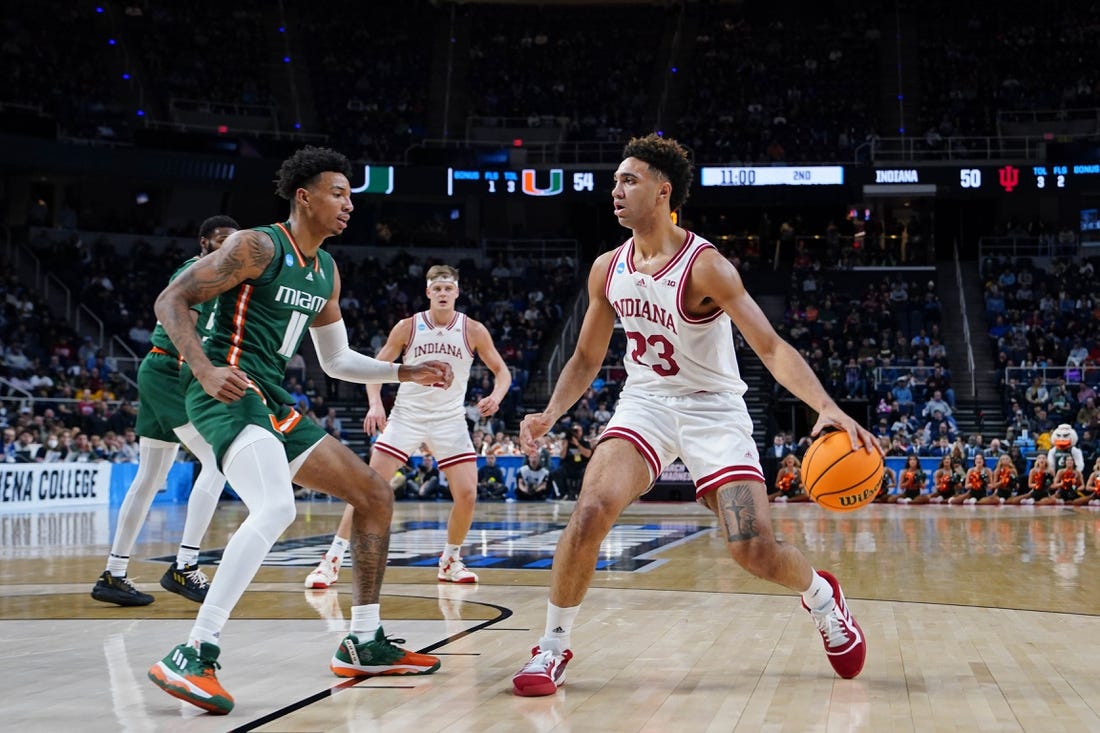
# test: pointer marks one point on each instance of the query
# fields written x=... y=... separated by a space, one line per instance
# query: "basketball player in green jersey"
x=162 y=425
x=271 y=284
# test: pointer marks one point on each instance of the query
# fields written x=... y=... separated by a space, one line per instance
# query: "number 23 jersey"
x=669 y=352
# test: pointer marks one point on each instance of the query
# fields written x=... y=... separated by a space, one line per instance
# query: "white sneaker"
x=543 y=675
x=937 y=499
x=454 y=571
x=970 y=500
x=1028 y=501
x=1094 y=502
x=325 y=574
x=905 y=500
x=781 y=499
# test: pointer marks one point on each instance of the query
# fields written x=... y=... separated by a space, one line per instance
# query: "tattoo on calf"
x=738 y=509
x=368 y=555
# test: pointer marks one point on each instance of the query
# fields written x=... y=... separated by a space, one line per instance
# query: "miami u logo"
x=557 y=183
x=376 y=179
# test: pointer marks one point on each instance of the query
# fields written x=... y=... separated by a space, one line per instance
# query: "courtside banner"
x=47 y=485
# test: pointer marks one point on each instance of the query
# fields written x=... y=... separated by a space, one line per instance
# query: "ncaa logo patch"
x=421 y=327
x=620 y=268
x=289 y=260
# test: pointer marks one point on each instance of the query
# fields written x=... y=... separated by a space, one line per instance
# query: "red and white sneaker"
x=543 y=675
x=325 y=574
x=454 y=571
x=844 y=642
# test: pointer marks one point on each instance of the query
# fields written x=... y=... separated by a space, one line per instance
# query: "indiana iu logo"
x=1009 y=177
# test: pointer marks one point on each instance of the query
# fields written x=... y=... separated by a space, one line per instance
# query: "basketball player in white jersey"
x=683 y=397
x=435 y=417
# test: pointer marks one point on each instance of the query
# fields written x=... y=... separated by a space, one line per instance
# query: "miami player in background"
x=162 y=425
x=272 y=284
x=430 y=416
x=676 y=297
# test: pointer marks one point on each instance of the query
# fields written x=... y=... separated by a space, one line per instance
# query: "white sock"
x=819 y=595
x=365 y=620
x=117 y=564
x=559 y=627
x=187 y=556
x=208 y=625
x=451 y=552
x=338 y=549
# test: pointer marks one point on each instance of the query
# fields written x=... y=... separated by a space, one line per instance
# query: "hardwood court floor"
x=977 y=618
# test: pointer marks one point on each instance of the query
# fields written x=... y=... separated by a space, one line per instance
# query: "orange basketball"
x=837 y=477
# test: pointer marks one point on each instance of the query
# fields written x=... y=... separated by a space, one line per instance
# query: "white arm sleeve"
x=342 y=362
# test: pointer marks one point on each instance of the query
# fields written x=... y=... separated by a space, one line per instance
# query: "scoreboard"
x=593 y=183
x=985 y=180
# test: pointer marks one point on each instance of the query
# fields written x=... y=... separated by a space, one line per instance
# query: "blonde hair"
x=445 y=272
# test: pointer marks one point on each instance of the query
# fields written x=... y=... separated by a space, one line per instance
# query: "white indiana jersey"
x=669 y=352
x=428 y=342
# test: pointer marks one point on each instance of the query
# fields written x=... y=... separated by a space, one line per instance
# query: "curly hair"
x=216 y=222
x=303 y=168
x=667 y=157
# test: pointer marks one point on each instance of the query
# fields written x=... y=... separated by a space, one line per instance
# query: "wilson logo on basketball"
x=858 y=499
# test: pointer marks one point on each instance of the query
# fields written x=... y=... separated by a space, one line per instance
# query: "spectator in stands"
x=333 y=425
x=902 y=393
x=428 y=477
x=16 y=358
x=403 y=482
x=124 y=416
x=575 y=453
x=936 y=404
x=1036 y=394
x=1042 y=423
x=296 y=367
x=127 y=450
x=490 y=481
x=52 y=451
x=26 y=447
x=939 y=381
x=81 y=450
x=140 y=336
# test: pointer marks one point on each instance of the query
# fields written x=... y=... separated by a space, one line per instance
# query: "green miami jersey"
x=260 y=324
x=161 y=407
x=159 y=337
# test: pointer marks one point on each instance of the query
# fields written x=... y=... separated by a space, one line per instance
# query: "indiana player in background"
x=272 y=284
x=676 y=295
x=431 y=416
x=162 y=425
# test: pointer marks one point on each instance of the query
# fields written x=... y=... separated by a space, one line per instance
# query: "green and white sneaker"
x=380 y=656
x=188 y=673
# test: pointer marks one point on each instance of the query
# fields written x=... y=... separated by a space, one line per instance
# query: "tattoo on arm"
x=739 y=512
x=368 y=555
